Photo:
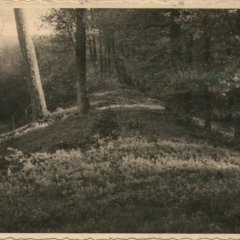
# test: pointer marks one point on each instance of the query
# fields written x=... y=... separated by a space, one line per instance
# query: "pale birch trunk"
x=38 y=103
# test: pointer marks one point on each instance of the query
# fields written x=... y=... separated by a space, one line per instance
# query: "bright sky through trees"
x=8 y=26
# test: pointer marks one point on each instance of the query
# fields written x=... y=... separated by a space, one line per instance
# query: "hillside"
x=126 y=166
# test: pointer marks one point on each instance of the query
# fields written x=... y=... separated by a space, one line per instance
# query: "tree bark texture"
x=175 y=34
x=101 y=54
x=82 y=98
x=38 y=103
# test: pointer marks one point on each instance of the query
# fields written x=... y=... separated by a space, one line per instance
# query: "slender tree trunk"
x=207 y=60
x=115 y=59
x=189 y=49
x=123 y=76
x=208 y=108
x=207 y=52
x=94 y=49
x=175 y=33
x=90 y=47
x=100 y=54
x=94 y=56
x=109 y=57
x=38 y=103
x=82 y=98
x=105 y=66
x=112 y=64
x=207 y=42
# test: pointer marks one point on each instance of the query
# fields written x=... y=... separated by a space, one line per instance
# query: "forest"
x=120 y=120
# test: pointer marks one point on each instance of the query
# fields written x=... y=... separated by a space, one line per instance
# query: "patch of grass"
x=121 y=169
x=125 y=185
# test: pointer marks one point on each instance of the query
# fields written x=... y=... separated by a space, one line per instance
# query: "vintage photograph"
x=119 y=120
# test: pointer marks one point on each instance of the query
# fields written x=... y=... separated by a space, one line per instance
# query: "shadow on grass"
x=173 y=201
x=80 y=131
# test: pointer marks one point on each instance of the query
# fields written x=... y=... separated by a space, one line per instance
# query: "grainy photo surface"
x=119 y=120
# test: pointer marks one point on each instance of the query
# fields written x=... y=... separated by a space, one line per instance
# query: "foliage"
x=145 y=173
x=203 y=94
x=169 y=52
x=14 y=100
x=123 y=182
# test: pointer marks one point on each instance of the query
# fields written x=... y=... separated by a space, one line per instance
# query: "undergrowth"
x=119 y=170
x=129 y=184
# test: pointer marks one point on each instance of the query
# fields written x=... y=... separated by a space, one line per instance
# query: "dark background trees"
x=187 y=58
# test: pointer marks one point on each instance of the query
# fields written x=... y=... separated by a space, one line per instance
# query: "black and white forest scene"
x=119 y=120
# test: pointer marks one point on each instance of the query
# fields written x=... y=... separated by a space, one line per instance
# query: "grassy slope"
x=125 y=167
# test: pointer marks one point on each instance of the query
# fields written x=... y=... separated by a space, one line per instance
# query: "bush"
x=106 y=123
x=205 y=95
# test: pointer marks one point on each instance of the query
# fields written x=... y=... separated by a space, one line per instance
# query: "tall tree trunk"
x=207 y=59
x=207 y=42
x=100 y=54
x=189 y=49
x=38 y=103
x=90 y=47
x=175 y=33
x=116 y=61
x=123 y=76
x=94 y=49
x=93 y=53
x=82 y=98
x=207 y=46
x=109 y=63
x=105 y=66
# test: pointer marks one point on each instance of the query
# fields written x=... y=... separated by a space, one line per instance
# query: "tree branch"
x=60 y=17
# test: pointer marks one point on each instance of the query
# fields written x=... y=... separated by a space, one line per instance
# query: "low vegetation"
x=119 y=169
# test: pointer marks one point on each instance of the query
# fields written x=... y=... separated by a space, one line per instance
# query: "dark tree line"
x=187 y=58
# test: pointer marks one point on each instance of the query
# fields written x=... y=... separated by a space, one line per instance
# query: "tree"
x=82 y=98
x=71 y=28
x=38 y=103
x=175 y=33
x=187 y=55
